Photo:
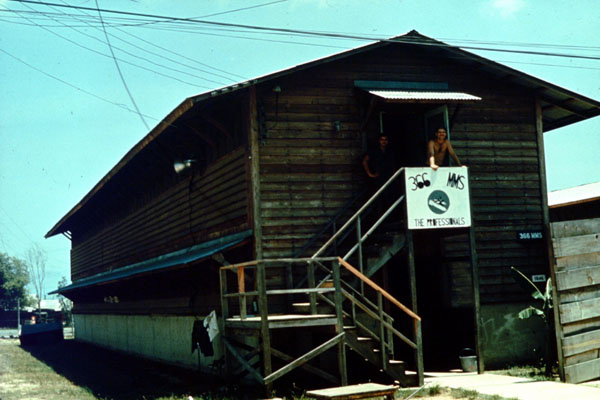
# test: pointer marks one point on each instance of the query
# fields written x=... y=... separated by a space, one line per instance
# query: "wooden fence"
x=577 y=272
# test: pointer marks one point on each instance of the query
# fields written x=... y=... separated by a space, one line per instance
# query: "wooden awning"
x=180 y=257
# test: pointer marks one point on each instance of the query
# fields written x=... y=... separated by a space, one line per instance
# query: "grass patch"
x=77 y=371
x=527 y=371
x=436 y=391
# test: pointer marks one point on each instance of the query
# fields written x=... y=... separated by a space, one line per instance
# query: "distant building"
x=579 y=202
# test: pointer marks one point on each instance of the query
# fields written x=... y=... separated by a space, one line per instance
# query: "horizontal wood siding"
x=308 y=169
x=577 y=268
x=212 y=204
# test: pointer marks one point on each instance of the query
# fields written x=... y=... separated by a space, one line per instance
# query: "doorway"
x=409 y=127
x=444 y=300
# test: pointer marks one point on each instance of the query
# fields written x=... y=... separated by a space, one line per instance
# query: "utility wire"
x=119 y=69
x=123 y=61
x=181 y=55
x=322 y=33
x=147 y=60
x=71 y=85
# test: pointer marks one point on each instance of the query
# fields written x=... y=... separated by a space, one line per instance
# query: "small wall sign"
x=538 y=278
x=530 y=235
x=437 y=199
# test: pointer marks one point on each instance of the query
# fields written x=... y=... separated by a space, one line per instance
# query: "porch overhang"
x=414 y=96
x=162 y=262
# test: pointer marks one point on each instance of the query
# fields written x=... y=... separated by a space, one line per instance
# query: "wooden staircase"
x=310 y=297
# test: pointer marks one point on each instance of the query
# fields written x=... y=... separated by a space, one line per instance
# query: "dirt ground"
x=71 y=370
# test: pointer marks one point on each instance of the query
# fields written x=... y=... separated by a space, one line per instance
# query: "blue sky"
x=66 y=118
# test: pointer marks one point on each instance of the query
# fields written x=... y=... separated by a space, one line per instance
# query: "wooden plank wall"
x=216 y=205
x=577 y=267
x=308 y=169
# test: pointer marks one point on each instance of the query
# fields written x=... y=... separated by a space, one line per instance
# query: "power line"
x=123 y=61
x=119 y=69
x=142 y=58
x=321 y=33
x=72 y=86
x=181 y=55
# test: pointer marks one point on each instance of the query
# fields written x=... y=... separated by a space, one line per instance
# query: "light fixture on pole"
x=182 y=165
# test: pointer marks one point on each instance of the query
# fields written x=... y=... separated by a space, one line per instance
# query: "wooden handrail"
x=358 y=213
x=276 y=260
x=378 y=288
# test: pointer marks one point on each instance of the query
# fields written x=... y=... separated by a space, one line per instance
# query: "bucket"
x=468 y=360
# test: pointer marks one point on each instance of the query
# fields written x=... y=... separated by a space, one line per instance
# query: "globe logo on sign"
x=438 y=202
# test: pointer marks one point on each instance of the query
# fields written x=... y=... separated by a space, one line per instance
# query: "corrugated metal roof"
x=577 y=194
x=179 y=257
x=411 y=95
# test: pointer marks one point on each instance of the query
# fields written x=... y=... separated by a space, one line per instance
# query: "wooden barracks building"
x=268 y=222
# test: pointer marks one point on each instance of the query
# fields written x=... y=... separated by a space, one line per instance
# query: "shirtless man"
x=437 y=149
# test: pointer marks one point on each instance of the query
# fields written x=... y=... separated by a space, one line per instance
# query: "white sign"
x=437 y=199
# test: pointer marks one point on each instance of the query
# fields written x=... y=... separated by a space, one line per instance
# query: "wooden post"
x=264 y=318
x=242 y=291
x=382 y=336
x=338 y=297
x=311 y=285
x=224 y=314
x=418 y=336
x=539 y=127
x=254 y=166
x=476 y=302
x=360 y=253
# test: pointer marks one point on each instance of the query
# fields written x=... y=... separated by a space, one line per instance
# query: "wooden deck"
x=282 y=321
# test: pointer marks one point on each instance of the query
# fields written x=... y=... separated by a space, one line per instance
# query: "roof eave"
x=153 y=134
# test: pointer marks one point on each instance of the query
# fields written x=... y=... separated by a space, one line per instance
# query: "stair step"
x=304 y=308
x=364 y=339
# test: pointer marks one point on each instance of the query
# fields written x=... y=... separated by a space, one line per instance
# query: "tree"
x=36 y=266
x=13 y=281
x=66 y=305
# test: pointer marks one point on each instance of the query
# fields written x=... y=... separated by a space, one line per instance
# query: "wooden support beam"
x=551 y=259
x=217 y=124
x=476 y=300
x=263 y=310
x=317 y=371
x=207 y=139
x=305 y=358
x=243 y=361
x=417 y=336
x=339 y=312
x=254 y=167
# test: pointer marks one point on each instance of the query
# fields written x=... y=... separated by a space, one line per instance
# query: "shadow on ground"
x=113 y=375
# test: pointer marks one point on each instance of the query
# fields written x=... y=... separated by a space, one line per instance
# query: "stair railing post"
x=224 y=314
x=311 y=285
x=242 y=291
x=334 y=227
x=264 y=318
x=384 y=355
x=360 y=253
x=338 y=297
x=390 y=338
x=419 y=351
